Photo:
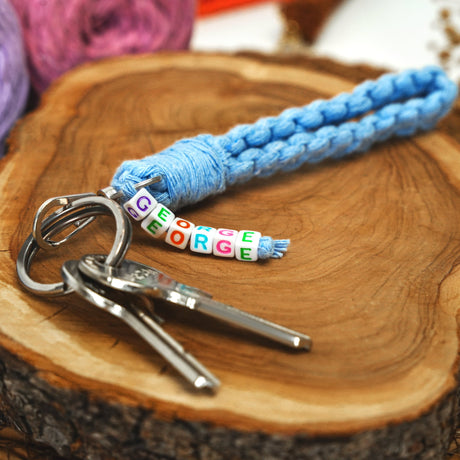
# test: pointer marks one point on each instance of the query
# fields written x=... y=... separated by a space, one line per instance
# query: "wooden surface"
x=371 y=275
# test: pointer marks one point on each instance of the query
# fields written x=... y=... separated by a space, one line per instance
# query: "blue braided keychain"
x=192 y=169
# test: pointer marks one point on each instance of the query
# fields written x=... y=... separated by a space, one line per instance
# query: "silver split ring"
x=76 y=211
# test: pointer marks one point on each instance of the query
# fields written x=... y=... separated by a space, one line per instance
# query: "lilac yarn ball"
x=60 y=34
x=14 y=81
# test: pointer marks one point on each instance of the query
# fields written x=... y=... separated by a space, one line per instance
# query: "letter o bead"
x=247 y=245
x=140 y=205
x=179 y=233
x=224 y=242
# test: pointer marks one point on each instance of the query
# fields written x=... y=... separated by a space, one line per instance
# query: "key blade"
x=249 y=322
x=174 y=353
x=184 y=363
x=134 y=277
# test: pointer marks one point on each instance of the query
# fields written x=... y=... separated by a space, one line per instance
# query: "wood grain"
x=371 y=275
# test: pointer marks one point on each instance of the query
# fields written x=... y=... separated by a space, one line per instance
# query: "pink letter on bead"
x=223 y=247
x=224 y=243
x=226 y=232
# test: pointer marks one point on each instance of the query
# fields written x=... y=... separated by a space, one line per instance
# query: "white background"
x=396 y=34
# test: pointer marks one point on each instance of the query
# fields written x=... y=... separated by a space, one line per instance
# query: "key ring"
x=76 y=211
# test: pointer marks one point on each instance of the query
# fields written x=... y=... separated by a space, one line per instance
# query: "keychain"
x=127 y=289
x=150 y=191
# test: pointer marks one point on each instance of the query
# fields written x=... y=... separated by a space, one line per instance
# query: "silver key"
x=140 y=279
x=144 y=325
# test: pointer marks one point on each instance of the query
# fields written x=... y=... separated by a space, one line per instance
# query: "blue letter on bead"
x=202 y=239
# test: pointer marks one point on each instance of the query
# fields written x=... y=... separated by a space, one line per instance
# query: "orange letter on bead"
x=179 y=233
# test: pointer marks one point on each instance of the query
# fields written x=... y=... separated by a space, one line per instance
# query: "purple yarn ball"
x=14 y=81
x=60 y=34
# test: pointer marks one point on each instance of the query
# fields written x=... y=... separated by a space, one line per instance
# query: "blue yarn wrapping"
x=192 y=169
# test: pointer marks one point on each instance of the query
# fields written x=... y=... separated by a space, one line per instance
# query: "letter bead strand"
x=158 y=220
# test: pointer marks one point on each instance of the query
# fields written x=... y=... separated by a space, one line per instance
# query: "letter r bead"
x=202 y=238
x=247 y=244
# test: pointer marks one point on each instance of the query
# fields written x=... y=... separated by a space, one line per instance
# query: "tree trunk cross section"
x=371 y=274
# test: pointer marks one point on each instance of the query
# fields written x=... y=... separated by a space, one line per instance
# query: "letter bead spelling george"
x=158 y=221
x=202 y=239
x=246 y=245
x=179 y=233
x=224 y=242
x=140 y=205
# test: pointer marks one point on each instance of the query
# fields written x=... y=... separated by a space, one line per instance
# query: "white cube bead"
x=179 y=233
x=140 y=205
x=202 y=239
x=247 y=245
x=224 y=242
x=158 y=221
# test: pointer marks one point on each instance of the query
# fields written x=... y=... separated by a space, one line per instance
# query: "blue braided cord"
x=393 y=105
x=192 y=169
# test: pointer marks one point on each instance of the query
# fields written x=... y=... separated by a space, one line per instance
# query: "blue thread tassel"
x=272 y=249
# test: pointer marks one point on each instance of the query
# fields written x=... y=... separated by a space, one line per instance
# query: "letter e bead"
x=140 y=205
x=224 y=242
x=158 y=221
x=179 y=233
x=247 y=245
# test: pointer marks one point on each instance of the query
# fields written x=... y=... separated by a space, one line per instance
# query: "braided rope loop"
x=393 y=105
x=193 y=169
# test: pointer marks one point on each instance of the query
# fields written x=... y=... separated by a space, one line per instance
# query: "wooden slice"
x=372 y=275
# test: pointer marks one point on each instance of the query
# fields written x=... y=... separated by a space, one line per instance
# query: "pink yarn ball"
x=60 y=34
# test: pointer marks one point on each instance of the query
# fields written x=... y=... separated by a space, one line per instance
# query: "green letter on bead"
x=154 y=226
x=247 y=237
x=163 y=213
x=243 y=254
